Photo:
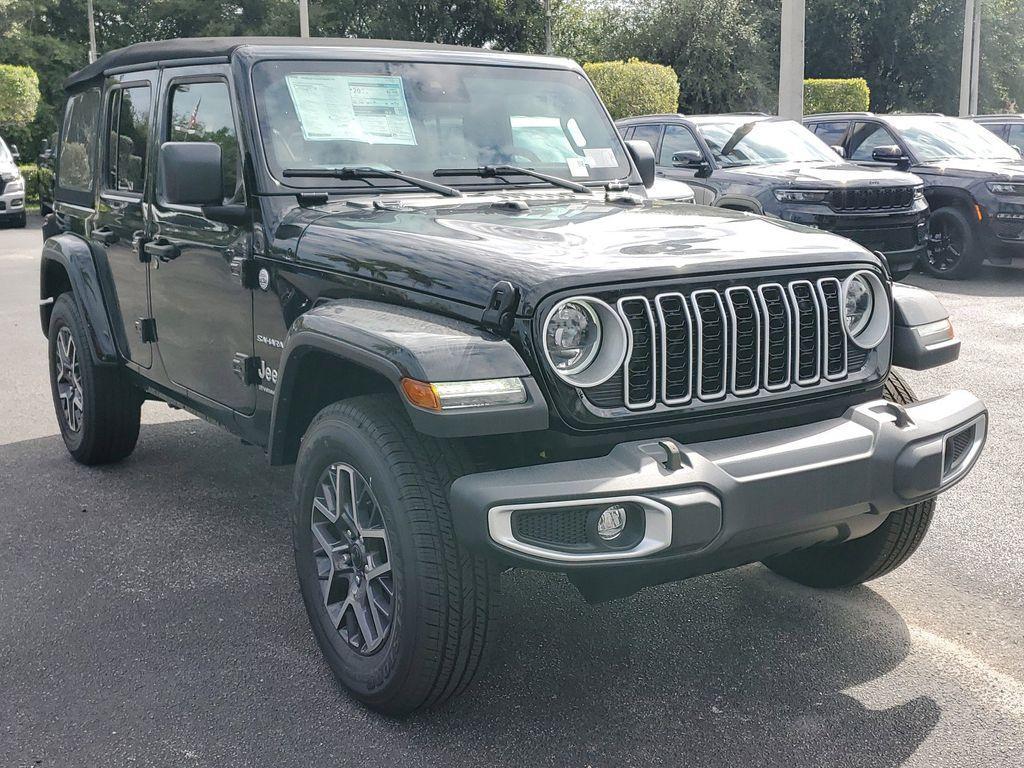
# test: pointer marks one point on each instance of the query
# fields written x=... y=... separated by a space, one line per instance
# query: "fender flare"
x=747 y=204
x=398 y=343
x=957 y=195
x=75 y=256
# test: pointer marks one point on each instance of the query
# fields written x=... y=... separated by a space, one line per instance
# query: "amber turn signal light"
x=421 y=394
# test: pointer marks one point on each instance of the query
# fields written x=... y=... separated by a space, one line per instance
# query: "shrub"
x=634 y=87
x=836 y=95
x=34 y=175
x=19 y=95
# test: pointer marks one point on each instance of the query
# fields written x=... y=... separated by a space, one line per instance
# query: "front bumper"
x=722 y=503
x=12 y=204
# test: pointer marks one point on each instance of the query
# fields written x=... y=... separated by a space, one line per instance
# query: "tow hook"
x=667 y=453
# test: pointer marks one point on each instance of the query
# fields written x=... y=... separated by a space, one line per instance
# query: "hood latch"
x=501 y=308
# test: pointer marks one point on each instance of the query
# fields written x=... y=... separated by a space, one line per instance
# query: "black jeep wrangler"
x=501 y=355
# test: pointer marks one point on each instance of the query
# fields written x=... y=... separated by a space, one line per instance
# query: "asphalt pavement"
x=149 y=614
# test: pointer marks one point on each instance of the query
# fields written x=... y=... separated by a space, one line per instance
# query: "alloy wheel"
x=945 y=246
x=69 y=379
x=353 y=558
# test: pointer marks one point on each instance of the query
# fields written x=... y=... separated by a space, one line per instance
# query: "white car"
x=12 y=187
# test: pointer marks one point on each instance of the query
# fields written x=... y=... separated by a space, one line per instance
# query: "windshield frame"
x=248 y=58
x=741 y=121
x=893 y=122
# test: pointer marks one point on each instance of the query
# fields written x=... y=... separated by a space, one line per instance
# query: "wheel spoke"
x=377 y=571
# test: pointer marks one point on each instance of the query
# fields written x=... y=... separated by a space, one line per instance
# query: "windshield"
x=5 y=154
x=942 y=138
x=418 y=118
x=764 y=142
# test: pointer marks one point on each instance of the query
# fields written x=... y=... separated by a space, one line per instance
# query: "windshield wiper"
x=496 y=171
x=362 y=173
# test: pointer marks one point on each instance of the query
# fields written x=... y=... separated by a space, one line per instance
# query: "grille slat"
x=871 y=198
x=737 y=341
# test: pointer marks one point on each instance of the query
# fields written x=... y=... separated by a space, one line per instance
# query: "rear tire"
x=437 y=603
x=953 y=252
x=881 y=551
x=98 y=408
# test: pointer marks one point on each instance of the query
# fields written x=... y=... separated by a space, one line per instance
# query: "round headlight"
x=584 y=341
x=865 y=309
x=572 y=336
x=859 y=303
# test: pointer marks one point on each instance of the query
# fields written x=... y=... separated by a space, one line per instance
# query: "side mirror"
x=190 y=173
x=889 y=153
x=1019 y=151
x=15 y=153
x=840 y=150
x=643 y=159
x=689 y=158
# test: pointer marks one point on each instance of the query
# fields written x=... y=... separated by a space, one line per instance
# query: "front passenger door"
x=679 y=138
x=203 y=313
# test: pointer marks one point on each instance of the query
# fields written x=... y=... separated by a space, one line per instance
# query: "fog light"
x=612 y=522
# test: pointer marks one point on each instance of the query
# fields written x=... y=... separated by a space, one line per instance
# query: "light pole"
x=970 y=62
x=303 y=18
x=549 y=48
x=92 y=32
x=791 y=60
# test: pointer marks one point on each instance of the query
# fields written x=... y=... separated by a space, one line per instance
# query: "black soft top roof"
x=210 y=47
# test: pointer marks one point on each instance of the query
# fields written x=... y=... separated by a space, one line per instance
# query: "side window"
x=678 y=138
x=866 y=138
x=831 y=133
x=1016 y=137
x=128 y=138
x=997 y=128
x=78 y=142
x=627 y=132
x=649 y=133
x=202 y=112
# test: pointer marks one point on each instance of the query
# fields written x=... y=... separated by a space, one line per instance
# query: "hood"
x=458 y=251
x=827 y=175
x=992 y=170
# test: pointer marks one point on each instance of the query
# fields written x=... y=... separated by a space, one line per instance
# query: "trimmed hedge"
x=836 y=95
x=33 y=175
x=19 y=94
x=634 y=87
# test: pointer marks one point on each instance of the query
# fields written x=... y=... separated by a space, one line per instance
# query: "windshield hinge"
x=501 y=308
x=310 y=199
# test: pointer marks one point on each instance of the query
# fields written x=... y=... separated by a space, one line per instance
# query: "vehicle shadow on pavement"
x=158 y=597
x=990 y=281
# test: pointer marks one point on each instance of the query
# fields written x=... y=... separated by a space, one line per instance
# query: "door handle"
x=162 y=250
x=104 y=235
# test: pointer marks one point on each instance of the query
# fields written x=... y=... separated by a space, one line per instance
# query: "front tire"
x=98 y=409
x=952 y=252
x=881 y=551
x=401 y=610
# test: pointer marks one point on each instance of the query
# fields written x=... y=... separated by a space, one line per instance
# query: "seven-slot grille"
x=871 y=198
x=707 y=344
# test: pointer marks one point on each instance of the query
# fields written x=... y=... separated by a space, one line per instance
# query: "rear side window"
x=996 y=128
x=202 y=112
x=867 y=137
x=128 y=139
x=677 y=139
x=831 y=133
x=78 y=142
x=649 y=133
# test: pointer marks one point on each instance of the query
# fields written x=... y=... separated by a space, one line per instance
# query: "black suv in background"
x=974 y=181
x=1009 y=128
x=765 y=165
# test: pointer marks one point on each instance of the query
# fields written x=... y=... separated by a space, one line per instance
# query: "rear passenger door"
x=122 y=217
x=679 y=138
x=203 y=312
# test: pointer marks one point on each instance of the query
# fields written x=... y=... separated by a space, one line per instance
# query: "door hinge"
x=246 y=271
x=501 y=308
x=247 y=368
x=146 y=326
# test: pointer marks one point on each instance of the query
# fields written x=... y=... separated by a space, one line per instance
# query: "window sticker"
x=369 y=109
x=601 y=158
x=578 y=166
x=574 y=130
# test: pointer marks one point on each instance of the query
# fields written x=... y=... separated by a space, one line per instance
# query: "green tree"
x=19 y=95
